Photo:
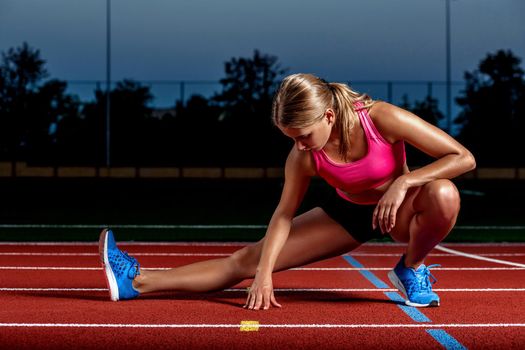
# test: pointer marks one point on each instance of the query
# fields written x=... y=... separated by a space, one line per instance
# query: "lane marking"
x=412 y=312
x=155 y=227
x=127 y=243
x=52 y=268
x=89 y=268
x=278 y=290
x=235 y=244
x=249 y=326
x=53 y=289
x=228 y=254
x=436 y=254
x=389 y=268
x=445 y=339
x=477 y=257
x=238 y=325
x=96 y=254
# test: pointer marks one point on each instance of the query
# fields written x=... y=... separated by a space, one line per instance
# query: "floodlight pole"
x=108 y=79
x=449 y=82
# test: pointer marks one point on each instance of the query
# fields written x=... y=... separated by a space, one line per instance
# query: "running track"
x=54 y=296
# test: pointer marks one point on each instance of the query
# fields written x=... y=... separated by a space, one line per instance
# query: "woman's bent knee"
x=443 y=198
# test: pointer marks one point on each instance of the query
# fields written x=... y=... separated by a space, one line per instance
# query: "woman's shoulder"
x=301 y=162
x=382 y=109
x=387 y=119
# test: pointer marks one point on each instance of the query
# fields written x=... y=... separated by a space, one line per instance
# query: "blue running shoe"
x=416 y=285
x=120 y=268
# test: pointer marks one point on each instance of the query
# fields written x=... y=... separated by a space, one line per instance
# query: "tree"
x=248 y=136
x=129 y=112
x=52 y=112
x=20 y=72
x=249 y=83
x=493 y=116
x=428 y=110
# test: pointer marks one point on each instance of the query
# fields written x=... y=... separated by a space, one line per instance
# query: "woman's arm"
x=298 y=171
x=452 y=159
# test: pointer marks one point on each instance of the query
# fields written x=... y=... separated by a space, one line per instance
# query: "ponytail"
x=346 y=113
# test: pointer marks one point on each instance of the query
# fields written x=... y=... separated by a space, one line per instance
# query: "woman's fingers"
x=274 y=302
x=258 y=300
x=392 y=218
x=384 y=216
x=374 y=217
x=381 y=218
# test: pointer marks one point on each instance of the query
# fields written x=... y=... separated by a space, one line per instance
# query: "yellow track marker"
x=249 y=326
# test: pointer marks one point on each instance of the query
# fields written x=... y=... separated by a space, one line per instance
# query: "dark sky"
x=190 y=39
x=341 y=40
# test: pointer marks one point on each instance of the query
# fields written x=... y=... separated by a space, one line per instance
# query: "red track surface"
x=359 y=316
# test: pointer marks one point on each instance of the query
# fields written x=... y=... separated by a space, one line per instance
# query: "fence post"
x=182 y=93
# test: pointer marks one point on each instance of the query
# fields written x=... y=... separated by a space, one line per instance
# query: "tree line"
x=43 y=124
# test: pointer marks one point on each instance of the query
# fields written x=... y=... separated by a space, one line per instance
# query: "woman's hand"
x=386 y=209
x=260 y=294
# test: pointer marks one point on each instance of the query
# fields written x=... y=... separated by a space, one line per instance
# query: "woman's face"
x=313 y=137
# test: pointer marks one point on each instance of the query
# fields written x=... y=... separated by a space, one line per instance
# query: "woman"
x=357 y=145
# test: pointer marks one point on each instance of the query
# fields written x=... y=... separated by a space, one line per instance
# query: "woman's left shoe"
x=120 y=269
x=415 y=284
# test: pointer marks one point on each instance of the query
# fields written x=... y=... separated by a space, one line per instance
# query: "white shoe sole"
x=397 y=283
x=110 y=277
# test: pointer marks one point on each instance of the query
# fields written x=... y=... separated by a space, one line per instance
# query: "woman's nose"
x=301 y=146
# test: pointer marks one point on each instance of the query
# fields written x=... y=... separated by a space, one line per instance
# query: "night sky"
x=341 y=40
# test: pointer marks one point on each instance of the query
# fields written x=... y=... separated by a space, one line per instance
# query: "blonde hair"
x=302 y=100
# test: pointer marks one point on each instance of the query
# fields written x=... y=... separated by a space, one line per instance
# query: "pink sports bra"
x=382 y=161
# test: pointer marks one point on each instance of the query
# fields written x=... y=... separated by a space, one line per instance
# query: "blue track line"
x=412 y=312
x=439 y=335
x=445 y=339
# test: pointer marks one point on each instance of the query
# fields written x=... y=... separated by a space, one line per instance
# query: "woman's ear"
x=330 y=116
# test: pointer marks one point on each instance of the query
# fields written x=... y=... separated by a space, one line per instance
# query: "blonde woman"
x=358 y=146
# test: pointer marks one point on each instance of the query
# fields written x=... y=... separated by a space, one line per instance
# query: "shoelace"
x=120 y=264
x=135 y=269
x=426 y=279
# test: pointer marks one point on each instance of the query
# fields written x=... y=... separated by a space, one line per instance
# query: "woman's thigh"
x=423 y=198
x=313 y=236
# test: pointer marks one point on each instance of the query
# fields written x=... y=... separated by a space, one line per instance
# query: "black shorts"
x=356 y=219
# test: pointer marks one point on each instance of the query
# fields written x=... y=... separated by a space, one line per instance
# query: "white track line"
x=239 y=325
x=74 y=268
x=68 y=268
x=279 y=290
x=4 y=289
x=96 y=254
x=154 y=227
x=235 y=244
x=127 y=243
x=477 y=257
x=228 y=254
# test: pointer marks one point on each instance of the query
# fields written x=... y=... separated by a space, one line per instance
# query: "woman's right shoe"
x=120 y=269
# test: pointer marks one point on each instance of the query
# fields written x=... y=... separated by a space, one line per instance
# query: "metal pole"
x=449 y=93
x=108 y=79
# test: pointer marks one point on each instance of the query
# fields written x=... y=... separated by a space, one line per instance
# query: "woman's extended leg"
x=313 y=236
